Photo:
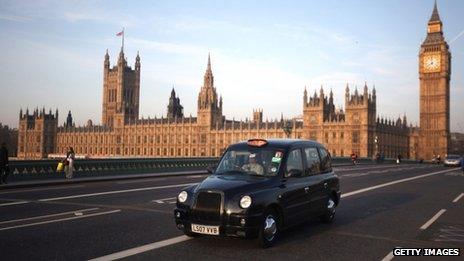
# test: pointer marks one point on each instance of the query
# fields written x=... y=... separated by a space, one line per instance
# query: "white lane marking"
x=458 y=198
x=14 y=203
x=139 y=181
x=46 y=216
x=388 y=257
x=171 y=202
x=62 y=219
x=435 y=217
x=393 y=183
x=161 y=201
x=141 y=249
x=116 y=192
x=40 y=189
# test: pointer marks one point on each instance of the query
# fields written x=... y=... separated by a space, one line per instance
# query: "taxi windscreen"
x=252 y=161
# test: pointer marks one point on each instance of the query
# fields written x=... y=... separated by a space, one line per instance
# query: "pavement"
x=382 y=207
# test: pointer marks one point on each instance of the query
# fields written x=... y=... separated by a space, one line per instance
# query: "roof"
x=280 y=143
x=435 y=16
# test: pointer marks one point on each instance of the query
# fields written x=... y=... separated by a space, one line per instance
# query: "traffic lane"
x=368 y=225
x=402 y=207
x=102 y=186
x=94 y=187
x=33 y=209
x=358 y=168
x=149 y=198
x=358 y=172
x=87 y=237
x=143 y=200
x=348 y=184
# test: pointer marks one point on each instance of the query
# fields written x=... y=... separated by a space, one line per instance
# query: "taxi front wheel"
x=269 y=229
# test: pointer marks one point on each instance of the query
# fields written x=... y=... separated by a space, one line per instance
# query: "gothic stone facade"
x=355 y=129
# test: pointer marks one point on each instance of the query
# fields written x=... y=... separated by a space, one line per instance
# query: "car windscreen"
x=453 y=157
x=251 y=161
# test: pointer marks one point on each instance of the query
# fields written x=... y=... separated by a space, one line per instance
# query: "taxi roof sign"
x=256 y=142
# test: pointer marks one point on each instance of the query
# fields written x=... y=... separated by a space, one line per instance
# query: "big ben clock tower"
x=434 y=76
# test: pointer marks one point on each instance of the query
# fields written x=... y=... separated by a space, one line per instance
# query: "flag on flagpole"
x=120 y=33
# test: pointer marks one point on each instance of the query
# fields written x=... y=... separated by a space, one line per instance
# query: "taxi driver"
x=253 y=165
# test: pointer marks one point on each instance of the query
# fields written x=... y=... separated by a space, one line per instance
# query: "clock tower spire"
x=434 y=76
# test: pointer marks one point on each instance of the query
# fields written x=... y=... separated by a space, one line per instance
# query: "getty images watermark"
x=398 y=251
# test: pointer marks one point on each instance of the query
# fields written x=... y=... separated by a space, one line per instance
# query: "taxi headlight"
x=245 y=202
x=182 y=197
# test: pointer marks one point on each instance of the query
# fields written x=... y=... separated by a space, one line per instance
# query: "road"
x=382 y=207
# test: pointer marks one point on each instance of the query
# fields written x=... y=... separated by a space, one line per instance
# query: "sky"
x=263 y=53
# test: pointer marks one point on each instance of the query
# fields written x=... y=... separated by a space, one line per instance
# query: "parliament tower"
x=434 y=76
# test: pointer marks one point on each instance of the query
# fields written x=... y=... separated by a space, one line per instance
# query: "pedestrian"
x=70 y=155
x=438 y=159
x=398 y=159
x=353 y=158
x=4 y=164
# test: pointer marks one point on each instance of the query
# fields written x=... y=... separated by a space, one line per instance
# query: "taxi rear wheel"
x=329 y=215
x=269 y=230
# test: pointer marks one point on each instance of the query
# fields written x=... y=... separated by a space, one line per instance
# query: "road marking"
x=428 y=223
x=161 y=201
x=388 y=257
x=116 y=192
x=141 y=249
x=13 y=203
x=46 y=216
x=393 y=183
x=175 y=240
x=40 y=189
x=139 y=181
x=62 y=219
x=458 y=198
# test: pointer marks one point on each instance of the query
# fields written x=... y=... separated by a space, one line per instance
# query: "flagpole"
x=123 y=38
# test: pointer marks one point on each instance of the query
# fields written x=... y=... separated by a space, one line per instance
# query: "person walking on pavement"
x=4 y=164
x=70 y=155
x=398 y=159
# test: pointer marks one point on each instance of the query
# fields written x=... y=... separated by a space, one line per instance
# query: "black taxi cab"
x=259 y=188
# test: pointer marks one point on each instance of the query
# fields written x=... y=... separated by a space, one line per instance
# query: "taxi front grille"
x=207 y=207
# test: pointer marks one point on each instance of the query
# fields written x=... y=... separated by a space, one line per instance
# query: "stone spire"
x=435 y=16
x=107 y=59
x=208 y=96
x=137 y=61
x=305 y=96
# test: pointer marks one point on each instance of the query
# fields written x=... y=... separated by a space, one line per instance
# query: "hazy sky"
x=263 y=53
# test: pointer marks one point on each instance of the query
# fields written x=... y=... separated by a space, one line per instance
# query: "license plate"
x=208 y=230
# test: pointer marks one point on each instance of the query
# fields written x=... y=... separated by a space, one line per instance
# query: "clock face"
x=432 y=62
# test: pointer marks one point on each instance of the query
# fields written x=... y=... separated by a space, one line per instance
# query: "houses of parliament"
x=356 y=129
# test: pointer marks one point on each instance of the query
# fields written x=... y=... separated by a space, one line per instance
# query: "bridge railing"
x=29 y=170
x=21 y=170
